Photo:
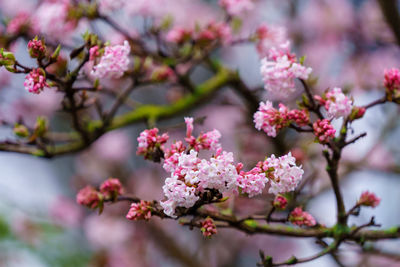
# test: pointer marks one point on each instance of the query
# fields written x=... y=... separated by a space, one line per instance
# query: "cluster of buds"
x=208 y=228
x=392 y=83
x=336 y=103
x=207 y=141
x=36 y=48
x=151 y=144
x=323 y=131
x=368 y=199
x=139 y=211
x=92 y=198
x=300 y=217
x=280 y=202
x=35 y=81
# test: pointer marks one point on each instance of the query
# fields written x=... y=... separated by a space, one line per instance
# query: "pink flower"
x=215 y=31
x=89 y=196
x=36 y=48
x=20 y=23
x=139 y=211
x=208 y=140
x=392 y=80
x=114 y=62
x=269 y=119
x=369 y=199
x=178 y=35
x=324 y=131
x=268 y=38
x=283 y=173
x=300 y=117
x=252 y=182
x=300 y=217
x=150 y=143
x=279 y=74
x=35 y=81
x=236 y=7
x=171 y=156
x=189 y=126
x=94 y=53
x=208 y=228
x=280 y=202
x=336 y=103
x=111 y=188
x=52 y=18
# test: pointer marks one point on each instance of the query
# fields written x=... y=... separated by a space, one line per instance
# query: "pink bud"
x=369 y=199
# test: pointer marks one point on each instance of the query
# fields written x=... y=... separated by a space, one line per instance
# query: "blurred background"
x=347 y=43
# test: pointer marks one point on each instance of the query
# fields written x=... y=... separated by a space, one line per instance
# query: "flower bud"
x=21 y=130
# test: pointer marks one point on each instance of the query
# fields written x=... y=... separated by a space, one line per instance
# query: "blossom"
x=35 y=81
x=89 y=196
x=269 y=119
x=178 y=35
x=139 y=211
x=114 y=61
x=150 y=143
x=300 y=117
x=336 y=103
x=52 y=18
x=20 y=23
x=279 y=74
x=323 y=130
x=280 y=202
x=300 y=217
x=252 y=182
x=269 y=37
x=392 y=80
x=215 y=31
x=171 y=156
x=208 y=140
x=94 y=52
x=208 y=227
x=236 y=7
x=283 y=173
x=36 y=48
x=369 y=199
x=111 y=188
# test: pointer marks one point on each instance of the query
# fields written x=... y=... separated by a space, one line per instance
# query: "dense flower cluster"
x=300 y=217
x=392 y=80
x=252 y=182
x=89 y=196
x=192 y=176
x=324 y=131
x=35 y=81
x=208 y=228
x=369 y=199
x=279 y=74
x=150 y=142
x=336 y=103
x=114 y=61
x=283 y=173
x=271 y=120
x=236 y=7
x=139 y=211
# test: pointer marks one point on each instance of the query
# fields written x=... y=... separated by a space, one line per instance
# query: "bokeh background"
x=347 y=43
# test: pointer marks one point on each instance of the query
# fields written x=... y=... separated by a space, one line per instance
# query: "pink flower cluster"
x=111 y=188
x=283 y=173
x=236 y=7
x=192 y=176
x=208 y=140
x=324 y=131
x=139 y=211
x=36 y=48
x=149 y=142
x=90 y=197
x=280 y=202
x=208 y=228
x=336 y=103
x=271 y=120
x=52 y=18
x=300 y=217
x=35 y=81
x=369 y=199
x=114 y=62
x=269 y=37
x=278 y=74
x=20 y=23
x=392 y=80
x=252 y=182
